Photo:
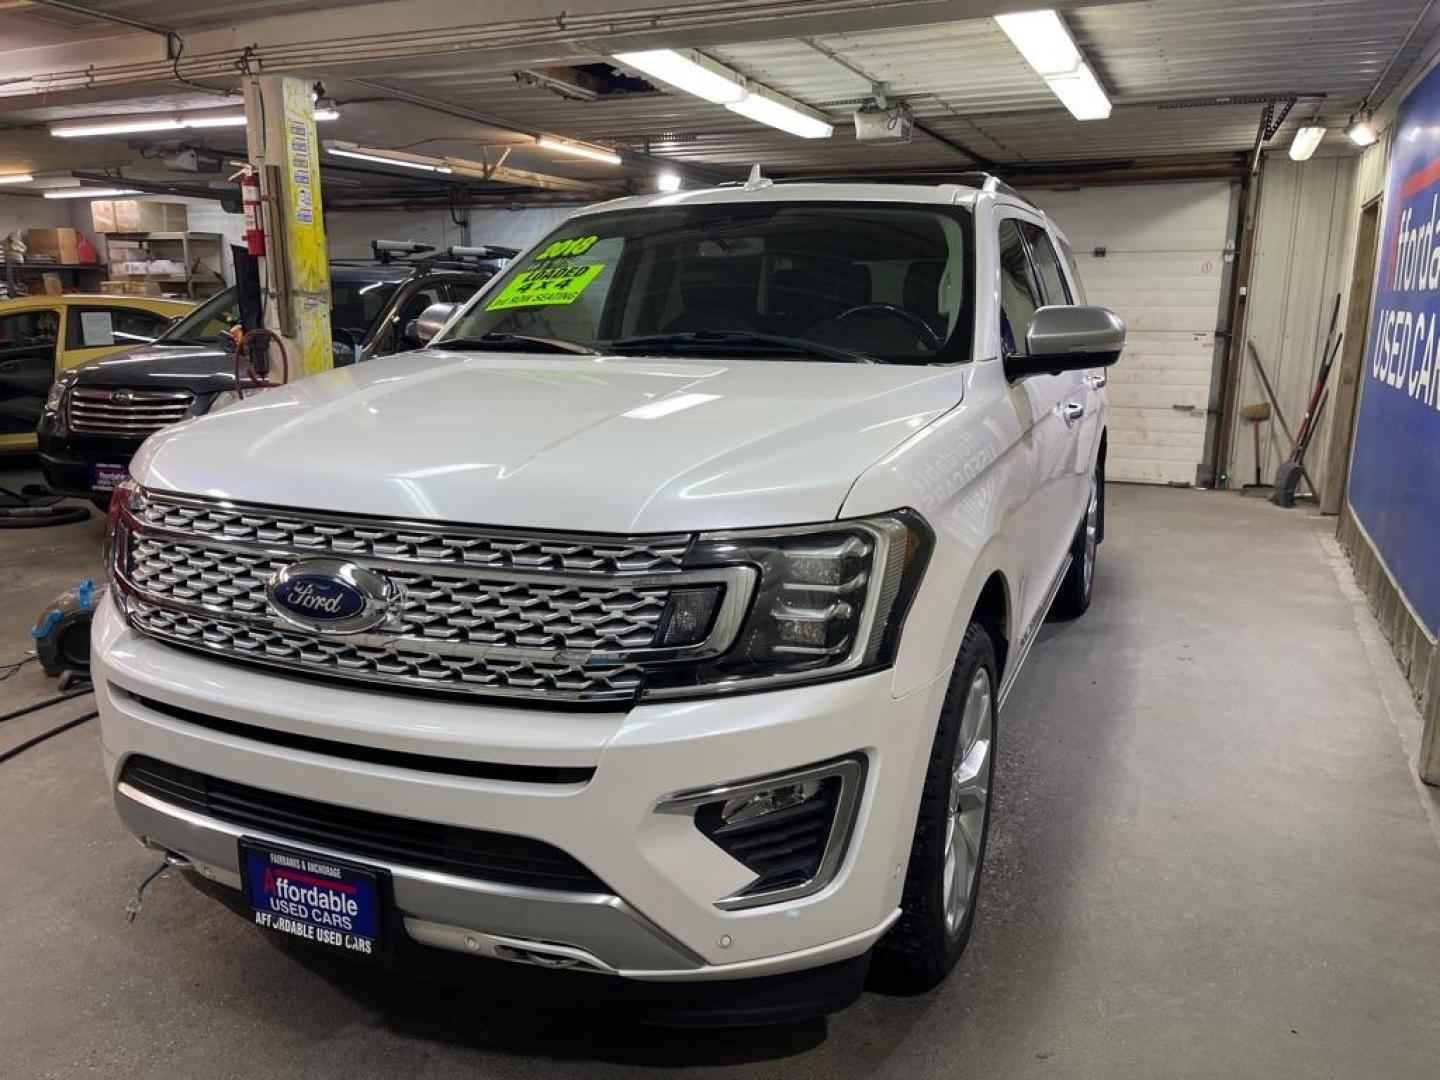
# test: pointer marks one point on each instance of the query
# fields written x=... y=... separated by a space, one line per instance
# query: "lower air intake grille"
x=469 y=853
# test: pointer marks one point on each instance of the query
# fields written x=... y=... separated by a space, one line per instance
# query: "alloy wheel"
x=969 y=799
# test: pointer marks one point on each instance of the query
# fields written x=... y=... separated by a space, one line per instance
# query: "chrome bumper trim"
x=602 y=928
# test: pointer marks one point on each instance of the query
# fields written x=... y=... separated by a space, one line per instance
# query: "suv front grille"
x=128 y=413
x=470 y=853
x=486 y=613
x=349 y=538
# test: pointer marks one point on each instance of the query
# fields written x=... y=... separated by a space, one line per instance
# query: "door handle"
x=1072 y=411
x=1096 y=381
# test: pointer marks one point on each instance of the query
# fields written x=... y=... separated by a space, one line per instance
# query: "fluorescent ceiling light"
x=668 y=181
x=785 y=114
x=594 y=153
x=88 y=192
x=224 y=121
x=115 y=127
x=1079 y=91
x=204 y=118
x=687 y=70
x=1361 y=130
x=1306 y=140
x=1043 y=41
x=362 y=155
x=17 y=178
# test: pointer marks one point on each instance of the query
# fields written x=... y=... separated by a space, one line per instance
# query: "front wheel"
x=942 y=884
x=1079 y=583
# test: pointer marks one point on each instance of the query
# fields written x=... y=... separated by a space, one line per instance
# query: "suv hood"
x=604 y=444
x=199 y=368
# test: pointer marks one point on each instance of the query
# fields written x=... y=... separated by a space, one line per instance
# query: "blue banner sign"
x=1395 y=468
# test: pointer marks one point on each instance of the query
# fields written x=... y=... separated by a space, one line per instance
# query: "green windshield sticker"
x=576 y=245
x=546 y=285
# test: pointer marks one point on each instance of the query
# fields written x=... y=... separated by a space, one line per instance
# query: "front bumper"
x=659 y=920
x=65 y=462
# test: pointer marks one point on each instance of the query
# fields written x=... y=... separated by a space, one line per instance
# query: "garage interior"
x=1216 y=844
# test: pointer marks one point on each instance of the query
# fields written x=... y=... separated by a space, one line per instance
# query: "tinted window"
x=27 y=367
x=1019 y=294
x=355 y=305
x=105 y=327
x=1047 y=264
x=892 y=282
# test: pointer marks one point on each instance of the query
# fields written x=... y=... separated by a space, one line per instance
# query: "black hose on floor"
x=36 y=740
x=33 y=507
x=43 y=703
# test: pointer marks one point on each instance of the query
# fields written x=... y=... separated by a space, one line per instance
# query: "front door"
x=28 y=340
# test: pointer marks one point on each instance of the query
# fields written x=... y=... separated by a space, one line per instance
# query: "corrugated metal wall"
x=1304 y=237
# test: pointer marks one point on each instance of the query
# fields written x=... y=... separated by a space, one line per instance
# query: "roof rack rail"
x=980 y=181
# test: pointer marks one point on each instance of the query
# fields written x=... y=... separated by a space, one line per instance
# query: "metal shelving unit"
x=211 y=281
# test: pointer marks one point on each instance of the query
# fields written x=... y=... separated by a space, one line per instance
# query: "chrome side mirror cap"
x=1068 y=338
x=430 y=321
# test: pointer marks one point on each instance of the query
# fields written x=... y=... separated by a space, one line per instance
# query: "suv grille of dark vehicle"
x=471 y=853
x=128 y=413
x=485 y=613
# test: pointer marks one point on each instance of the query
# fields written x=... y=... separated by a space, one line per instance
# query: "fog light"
x=791 y=830
x=746 y=807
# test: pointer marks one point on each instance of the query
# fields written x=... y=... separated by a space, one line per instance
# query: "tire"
x=940 y=896
x=1073 y=598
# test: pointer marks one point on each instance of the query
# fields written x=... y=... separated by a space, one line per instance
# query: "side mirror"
x=430 y=321
x=1065 y=338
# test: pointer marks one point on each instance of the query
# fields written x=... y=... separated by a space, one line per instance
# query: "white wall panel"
x=1304 y=238
x=1162 y=271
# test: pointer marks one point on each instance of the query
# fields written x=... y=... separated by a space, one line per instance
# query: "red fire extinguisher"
x=250 y=203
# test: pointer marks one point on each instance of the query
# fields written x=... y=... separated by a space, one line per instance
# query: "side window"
x=27 y=367
x=1019 y=294
x=461 y=291
x=105 y=327
x=1077 y=285
x=1047 y=263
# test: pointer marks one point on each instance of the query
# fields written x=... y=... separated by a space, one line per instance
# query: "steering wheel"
x=928 y=337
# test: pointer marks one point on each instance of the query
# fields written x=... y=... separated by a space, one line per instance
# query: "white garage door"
x=1161 y=272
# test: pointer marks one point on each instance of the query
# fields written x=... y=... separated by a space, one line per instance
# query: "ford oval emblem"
x=331 y=596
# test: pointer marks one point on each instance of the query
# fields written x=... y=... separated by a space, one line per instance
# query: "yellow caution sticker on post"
x=546 y=285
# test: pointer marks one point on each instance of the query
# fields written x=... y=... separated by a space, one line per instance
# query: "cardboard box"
x=53 y=245
x=134 y=216
x=113 y=288
x=51 y=284
x=142 y=288
x=102 y=215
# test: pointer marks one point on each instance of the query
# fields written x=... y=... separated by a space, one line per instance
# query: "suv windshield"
x=790 y=280
x=208 y=323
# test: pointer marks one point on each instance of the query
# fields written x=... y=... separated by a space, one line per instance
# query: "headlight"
x=56 y=397
x=830 y=601
x=222 y=399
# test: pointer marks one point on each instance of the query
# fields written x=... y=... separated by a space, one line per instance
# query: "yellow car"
x=40 y=336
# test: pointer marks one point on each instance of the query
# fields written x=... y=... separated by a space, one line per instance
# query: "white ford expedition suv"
x=651 y=623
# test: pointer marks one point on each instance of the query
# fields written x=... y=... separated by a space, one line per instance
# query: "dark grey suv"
x=97 y=414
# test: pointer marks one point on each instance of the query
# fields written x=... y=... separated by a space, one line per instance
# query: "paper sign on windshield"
x=545 y=285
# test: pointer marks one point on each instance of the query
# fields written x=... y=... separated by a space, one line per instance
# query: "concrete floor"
x=1210 y=859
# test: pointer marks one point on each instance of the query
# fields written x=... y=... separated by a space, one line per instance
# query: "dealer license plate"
x=105 y=477
x=312 y=897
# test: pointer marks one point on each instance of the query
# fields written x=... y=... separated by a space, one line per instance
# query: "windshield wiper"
x=711 y=340
x=499 y=339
